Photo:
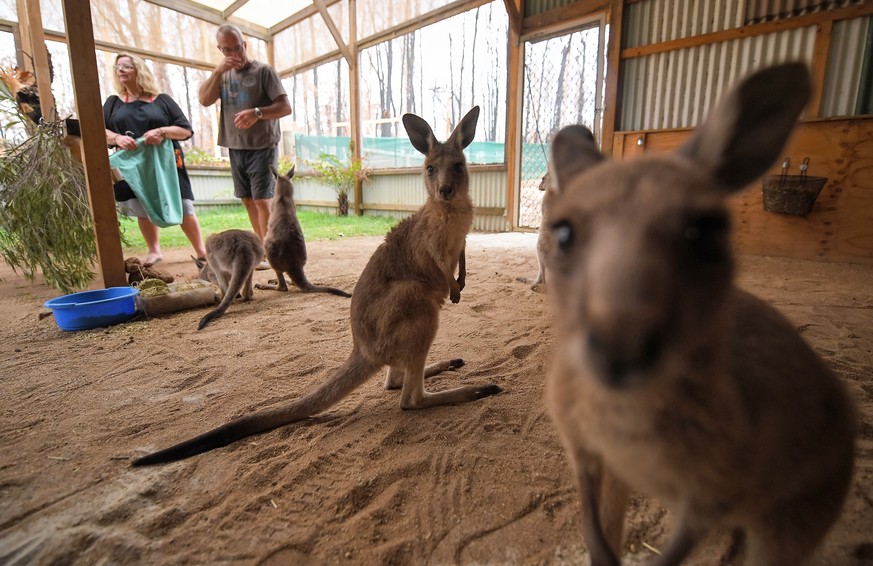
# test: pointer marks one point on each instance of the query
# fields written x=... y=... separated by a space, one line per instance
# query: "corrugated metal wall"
x=676 y=89
x=844 y=67
x=487 y=189
x=535 y=7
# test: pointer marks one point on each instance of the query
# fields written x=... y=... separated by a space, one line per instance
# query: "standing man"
x=252 y=101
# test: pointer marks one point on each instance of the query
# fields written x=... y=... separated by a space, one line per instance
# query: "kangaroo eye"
x=459 y=167
x=563 y=234
x=705 y=235
x=430 y=170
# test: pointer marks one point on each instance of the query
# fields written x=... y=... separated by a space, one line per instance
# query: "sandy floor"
x=365 y=483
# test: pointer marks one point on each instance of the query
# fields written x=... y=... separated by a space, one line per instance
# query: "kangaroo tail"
x=331 y=290
x=236 y=282
x=355 y=371
x=299 y=279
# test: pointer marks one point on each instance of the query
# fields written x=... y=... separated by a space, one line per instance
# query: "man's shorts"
x=251 y=172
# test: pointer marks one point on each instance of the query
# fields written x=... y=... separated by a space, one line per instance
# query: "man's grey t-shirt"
x=255 y=86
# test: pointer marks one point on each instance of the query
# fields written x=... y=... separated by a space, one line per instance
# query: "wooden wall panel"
x=840 y=226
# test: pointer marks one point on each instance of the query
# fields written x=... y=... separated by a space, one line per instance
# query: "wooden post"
x=24 y=36
x=40 y=60
x=515 y=66
x=80 y=35
x=611 y=98
x=355 y=101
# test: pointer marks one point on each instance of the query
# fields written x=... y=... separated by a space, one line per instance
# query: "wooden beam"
x=227 y=12
x=40 y=60
x=331 y=27
x=561 y=17
x=513 y=11
x=24 y=36
x=355 y=100
x=447 y=11
x=86 y=85
x=752 y=30
x=145 y=53
x=819 y=68
x=307 y=12
x=612 y=95
x=515 y=69
x=311 y=64
x=212 y=16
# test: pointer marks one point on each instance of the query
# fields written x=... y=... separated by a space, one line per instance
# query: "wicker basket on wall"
x=792 y=194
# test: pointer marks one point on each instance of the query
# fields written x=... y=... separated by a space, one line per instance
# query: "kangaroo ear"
x=290 y=173
x=274 y=172
x=465 y=131
x=200 y=263
x=746 y=132
x=573 y=151
x=419 y=133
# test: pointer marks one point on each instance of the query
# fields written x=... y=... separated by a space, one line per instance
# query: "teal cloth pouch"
x=150 y=170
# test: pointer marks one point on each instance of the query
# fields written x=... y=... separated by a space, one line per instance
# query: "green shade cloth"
x=150 y=170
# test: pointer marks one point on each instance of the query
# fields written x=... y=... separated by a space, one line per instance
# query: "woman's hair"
x=145 y=80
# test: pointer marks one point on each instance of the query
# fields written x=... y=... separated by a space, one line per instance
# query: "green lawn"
x=316 y=226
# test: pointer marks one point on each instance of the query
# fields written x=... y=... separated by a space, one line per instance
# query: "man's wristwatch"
x=259 y=113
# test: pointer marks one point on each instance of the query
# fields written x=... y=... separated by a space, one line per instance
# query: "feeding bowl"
x=92 y=309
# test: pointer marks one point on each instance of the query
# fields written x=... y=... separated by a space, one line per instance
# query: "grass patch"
x=316 y=226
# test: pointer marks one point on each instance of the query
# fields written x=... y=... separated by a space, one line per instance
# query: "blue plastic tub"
x=92 y=309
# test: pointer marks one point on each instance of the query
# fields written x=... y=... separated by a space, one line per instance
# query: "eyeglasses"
x=231 y=50
x=125 y=67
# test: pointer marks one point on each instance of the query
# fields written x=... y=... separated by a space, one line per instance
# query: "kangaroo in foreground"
x=396 y=303
x=670 y=380
x=284 y=242
x=231 y=257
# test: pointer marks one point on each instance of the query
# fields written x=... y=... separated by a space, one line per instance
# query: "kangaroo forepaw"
x=487 y=390
x=456 y=363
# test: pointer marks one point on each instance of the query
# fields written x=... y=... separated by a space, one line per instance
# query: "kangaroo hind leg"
x=414 y=396
x=396 y=376
x=280 y=285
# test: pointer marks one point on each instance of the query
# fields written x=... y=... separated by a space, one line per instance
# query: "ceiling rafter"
x=234 y=7
x=214 y=16
x=331 y=26
x=300 y=16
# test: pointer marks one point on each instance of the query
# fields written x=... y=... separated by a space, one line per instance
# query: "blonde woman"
x=141 y=110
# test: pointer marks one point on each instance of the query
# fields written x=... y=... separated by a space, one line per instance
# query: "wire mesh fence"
x=560 y=88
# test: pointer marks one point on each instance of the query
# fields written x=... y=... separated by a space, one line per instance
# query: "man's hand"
x=245 y=119
x=229 y=62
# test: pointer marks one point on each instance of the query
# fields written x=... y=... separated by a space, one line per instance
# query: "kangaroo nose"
x=446 y=191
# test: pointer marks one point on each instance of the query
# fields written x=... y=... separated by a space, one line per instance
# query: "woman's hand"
x=156 y=136
x=125 y=142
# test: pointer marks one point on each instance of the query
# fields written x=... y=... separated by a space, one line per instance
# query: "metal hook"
x=804 y=166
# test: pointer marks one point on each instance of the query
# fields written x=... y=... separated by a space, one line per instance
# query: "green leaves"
x=45 y=221
x=339 y=176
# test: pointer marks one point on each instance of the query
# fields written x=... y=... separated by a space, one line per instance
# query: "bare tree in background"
x=580 y=107
x=340 y=103
x=473 y=54
x=492 y=86
x=382 y=65
x=562 y=76
x=409 y=70
x=317 y=106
